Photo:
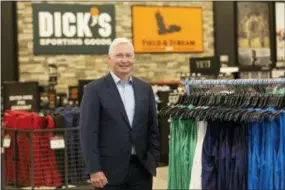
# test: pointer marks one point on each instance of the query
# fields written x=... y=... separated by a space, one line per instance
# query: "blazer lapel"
x=137 y=92
x=113 y=91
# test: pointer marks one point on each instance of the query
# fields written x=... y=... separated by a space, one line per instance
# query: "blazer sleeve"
x=89 y=128
x=154 y=136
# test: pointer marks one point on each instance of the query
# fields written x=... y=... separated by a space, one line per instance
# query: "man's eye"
x=122 y=55
x=119 y=55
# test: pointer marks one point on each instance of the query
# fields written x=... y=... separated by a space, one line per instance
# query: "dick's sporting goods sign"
x=73 y=29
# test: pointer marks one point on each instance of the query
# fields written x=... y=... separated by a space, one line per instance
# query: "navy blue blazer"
x=105 y=132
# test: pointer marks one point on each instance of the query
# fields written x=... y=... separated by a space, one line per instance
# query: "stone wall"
x=154 y=67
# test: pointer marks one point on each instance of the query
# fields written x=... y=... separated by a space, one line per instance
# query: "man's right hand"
x=98 y=179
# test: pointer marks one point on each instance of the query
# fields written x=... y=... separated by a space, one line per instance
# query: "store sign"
x=167 y=29
x=21 y=96
x=73 y=29
x=205 y=65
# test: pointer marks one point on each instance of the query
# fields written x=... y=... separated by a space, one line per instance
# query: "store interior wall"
x=9 y=52
x=225 y=24
x=71 y=68
x=225 y=30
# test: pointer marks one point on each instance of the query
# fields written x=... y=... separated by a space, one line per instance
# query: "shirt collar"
x=117 y=79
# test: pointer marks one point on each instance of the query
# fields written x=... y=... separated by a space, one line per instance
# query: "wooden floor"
x=159 y=182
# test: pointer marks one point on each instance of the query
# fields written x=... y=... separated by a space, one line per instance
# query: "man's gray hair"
x=117 y=41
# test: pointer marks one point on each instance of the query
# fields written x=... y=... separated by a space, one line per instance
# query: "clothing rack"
x=233 y=82
x=243 y=128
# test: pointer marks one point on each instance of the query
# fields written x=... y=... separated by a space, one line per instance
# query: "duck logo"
x=167 y=29
x=81 y=28
x=162 y=29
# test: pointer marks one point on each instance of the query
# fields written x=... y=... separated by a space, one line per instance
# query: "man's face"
x=122 y=59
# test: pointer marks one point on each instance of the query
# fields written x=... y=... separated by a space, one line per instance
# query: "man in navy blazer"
x=118 y=121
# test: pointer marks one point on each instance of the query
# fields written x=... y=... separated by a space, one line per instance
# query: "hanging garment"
x=9 y=119
x=29 y=121
x=266 y=166
x=210 y=156
x=83 y=175
x=193 y=143
x=66 y=113
x=60 y=153
x=196 y=173
x=239 y=158
x=279 y=153
x=77 y=172
x=266 y=169
x=183 y=142
x=224 y=154
x=258 y=165
x=172 y=169
x=224 y=163
x=52 y=177
x=253 y=156
x=31 y=144
x=243 y=147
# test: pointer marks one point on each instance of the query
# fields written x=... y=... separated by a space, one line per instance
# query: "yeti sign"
x=73 y=29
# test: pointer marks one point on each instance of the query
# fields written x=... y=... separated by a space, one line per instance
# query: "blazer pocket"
x=150 y=164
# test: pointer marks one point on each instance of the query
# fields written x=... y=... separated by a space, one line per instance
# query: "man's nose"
x=124 y=59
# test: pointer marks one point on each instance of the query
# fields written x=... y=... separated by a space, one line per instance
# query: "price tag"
x=7 y=141
x=57 y=143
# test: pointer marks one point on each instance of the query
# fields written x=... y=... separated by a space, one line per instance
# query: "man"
x=254 y=59
x=119 y=132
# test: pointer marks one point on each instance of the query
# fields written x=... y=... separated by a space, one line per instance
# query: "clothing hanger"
x=226 y=105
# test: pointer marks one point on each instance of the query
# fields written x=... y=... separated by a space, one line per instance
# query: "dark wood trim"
x=9 y=41
x=225 y=42
x=272 y=28
x=235 y=14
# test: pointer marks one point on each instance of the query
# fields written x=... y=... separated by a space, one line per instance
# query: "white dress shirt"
x=126 y=91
